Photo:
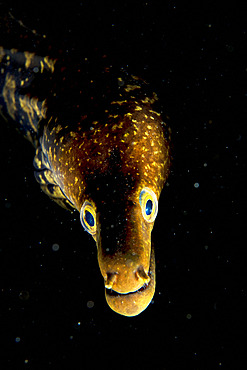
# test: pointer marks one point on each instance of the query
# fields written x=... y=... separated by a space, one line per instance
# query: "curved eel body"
x=104 y=151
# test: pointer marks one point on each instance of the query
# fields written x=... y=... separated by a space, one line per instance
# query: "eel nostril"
x=141 y=273
x=110 y=280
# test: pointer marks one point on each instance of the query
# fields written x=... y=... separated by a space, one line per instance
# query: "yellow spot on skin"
x=153 y=111
x=41 y=66
x=119 y=102
x=50 y=63
x=58 y=129
x=29 y=57
x=113 y=116
x=131 y=87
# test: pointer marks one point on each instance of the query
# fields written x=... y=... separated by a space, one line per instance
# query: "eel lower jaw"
x=133 y=303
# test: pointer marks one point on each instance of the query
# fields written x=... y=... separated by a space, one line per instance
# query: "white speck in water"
x=55 y=247
x=17 y=339
x=196 y=185
x=90 y=304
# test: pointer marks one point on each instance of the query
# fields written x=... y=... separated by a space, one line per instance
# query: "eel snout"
x=129 y=293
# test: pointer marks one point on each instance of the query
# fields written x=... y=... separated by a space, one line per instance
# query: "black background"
x=194 y=56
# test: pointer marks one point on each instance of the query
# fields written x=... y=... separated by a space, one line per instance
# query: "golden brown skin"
x=110 y=164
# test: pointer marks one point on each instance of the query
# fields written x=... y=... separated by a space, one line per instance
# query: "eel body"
x=101 y=148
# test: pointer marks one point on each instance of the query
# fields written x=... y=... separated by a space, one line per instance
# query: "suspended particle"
x=55 y=247
x=90 y=304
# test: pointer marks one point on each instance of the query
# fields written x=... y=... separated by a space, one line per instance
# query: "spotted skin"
x=104 y=156
x=17 y=71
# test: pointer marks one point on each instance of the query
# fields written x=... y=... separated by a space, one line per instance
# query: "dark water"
x=53 y=310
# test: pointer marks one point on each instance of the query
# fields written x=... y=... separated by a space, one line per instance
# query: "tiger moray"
x=102 y=149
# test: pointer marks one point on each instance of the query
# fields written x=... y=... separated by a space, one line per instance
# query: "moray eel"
x=104 y=151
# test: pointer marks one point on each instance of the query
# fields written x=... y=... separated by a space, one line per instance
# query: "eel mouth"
x=133 y=303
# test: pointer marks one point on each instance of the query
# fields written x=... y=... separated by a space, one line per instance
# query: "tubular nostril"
x=111 y=279
x=141 y=273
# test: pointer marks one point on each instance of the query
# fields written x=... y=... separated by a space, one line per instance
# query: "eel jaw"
x=133 y=303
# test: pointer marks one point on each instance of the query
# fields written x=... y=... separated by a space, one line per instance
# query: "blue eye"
x=89 y=218
x=149 y=204
x=149 y=207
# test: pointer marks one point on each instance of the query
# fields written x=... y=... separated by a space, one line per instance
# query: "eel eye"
x=149 y=204
x=88 y=218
